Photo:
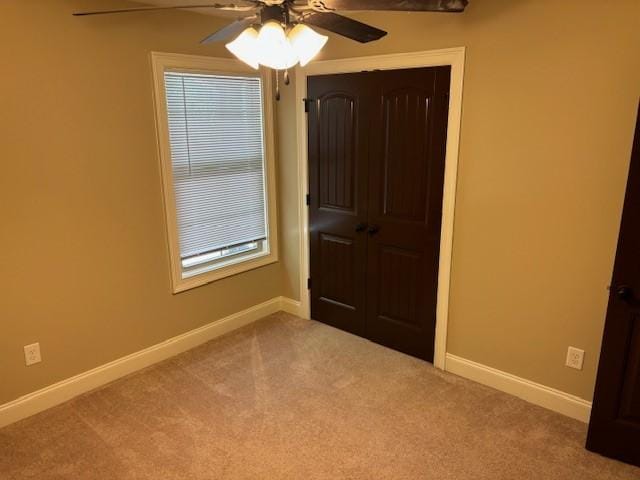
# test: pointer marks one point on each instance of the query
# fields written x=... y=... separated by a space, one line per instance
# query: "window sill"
x=184 y=284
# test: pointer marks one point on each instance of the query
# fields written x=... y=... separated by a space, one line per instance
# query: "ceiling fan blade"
x=219 y=6
x=345 y=26
x=231 y=30
x=451 y=6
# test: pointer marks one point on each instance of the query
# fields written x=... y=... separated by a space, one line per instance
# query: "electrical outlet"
x=575 y=358
x=32 y=354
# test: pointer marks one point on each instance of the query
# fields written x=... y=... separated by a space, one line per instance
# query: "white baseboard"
x=547 y=397
x=291 y=306
x=64 y=390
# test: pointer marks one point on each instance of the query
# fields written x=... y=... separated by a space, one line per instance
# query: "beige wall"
x=551 y=92
x=84 y=266
x=288 y=190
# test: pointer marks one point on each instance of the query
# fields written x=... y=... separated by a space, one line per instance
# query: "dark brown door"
x=408 y=136
x=338 y=172
x=614 y=430
x=382 y=274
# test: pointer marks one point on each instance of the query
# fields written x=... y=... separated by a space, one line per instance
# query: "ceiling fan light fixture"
x=245 y=47
x=273 y=47
x=306 y=43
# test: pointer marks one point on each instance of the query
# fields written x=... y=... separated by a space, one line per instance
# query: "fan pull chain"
x=286 y=77
x=277 y=86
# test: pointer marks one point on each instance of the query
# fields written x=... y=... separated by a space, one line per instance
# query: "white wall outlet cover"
x=32 y=354
x=575 y=358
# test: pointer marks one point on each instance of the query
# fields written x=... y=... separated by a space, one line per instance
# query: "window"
x=214 y=126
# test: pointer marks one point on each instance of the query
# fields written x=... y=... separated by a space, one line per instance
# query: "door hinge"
x=308 y=199
x=308 y=283
x=307 y=101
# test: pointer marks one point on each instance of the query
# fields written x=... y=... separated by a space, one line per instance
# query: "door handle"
x=361 y=227
x=373 y=229
x=624 y=293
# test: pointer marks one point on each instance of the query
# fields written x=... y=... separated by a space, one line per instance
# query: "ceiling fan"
x=276 y=33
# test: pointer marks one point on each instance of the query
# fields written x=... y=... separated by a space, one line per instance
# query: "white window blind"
x=217 y=154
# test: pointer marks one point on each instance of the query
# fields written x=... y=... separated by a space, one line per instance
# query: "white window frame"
x=161 y=63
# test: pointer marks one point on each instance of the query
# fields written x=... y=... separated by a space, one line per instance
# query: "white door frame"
x=455 y=58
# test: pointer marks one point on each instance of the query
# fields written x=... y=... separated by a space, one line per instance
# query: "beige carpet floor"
x=287 y=398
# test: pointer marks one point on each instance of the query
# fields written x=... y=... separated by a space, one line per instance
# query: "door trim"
x=455 y=57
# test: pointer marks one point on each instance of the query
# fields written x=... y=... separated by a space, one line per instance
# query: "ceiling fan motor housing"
x=278 y=13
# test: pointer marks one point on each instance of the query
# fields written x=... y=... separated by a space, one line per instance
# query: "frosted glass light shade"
x=274 y=49
x=245 y=47
x=306 y=43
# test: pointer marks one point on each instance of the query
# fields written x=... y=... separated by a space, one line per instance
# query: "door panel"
x=405 y=207
x=630 y=397
x=398 y=267
x=337 y=262
x=405 y=137
x=337 y=129
x=614 y=429
x=338 y=168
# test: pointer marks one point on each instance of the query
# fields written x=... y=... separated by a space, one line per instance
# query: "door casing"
x=454 y=57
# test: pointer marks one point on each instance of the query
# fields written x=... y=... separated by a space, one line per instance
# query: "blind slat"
x=217 y=153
